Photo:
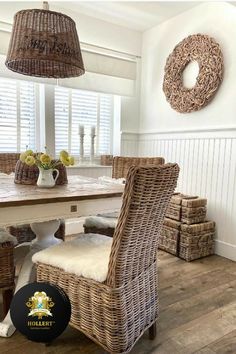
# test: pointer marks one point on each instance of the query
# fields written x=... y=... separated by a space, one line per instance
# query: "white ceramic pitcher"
x=46 y=179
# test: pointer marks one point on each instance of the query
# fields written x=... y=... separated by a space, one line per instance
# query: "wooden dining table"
x=82 y=196
x=42 y=209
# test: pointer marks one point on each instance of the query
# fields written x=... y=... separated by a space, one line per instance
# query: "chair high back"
x=146 y=196
x=121 y=164
x=8 y=162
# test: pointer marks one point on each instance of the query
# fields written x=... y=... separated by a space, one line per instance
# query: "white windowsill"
x=87 y=166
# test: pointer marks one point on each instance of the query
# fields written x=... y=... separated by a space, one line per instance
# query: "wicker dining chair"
x=116 y=312
x=8 y=162
x=104 y=224
x=121 y=164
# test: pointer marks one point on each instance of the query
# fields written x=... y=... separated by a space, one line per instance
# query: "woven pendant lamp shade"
x=45 y=44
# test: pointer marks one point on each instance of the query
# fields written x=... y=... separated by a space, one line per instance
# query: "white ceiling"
x=138 y=16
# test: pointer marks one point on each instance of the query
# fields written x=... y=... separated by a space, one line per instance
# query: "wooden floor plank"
x=224 y=345
x=182 y=289
x=201 y=332
x=197 y=314
x=196 y=306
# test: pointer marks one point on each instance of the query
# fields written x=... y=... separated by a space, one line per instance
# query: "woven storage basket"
x=174 y=212
x=198 y=229
x=193 y=215
x=194 y=220
x=194 y=203
x=7 y=270
x=196 y=241
x=178 y=198
x=169 y=236
x=25 y=174
x=106 y=160
x=186 y=208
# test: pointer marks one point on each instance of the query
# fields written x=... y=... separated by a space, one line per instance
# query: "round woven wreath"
x=207 y=53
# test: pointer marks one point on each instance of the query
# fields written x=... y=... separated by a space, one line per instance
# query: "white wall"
x=90 y=29
x=214 y=19
x=203 y=142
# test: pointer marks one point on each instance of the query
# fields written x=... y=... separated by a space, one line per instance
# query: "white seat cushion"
x=6 y=237
x=87 y=256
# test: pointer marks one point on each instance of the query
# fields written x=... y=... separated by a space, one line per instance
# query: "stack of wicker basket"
x=197 y=240
x=169 y=236
x=185 y=232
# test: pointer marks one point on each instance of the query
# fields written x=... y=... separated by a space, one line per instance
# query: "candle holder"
x=92 y=148
x=81 y=148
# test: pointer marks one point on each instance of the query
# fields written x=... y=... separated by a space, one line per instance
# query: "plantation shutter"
x=17 y=115
x=84 y=111
x=105 y=124
x=61 y=119
x=75 y=107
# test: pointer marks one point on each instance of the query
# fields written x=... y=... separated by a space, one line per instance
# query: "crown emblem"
x=40 y=305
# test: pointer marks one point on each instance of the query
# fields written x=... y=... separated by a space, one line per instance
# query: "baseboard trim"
x=225 y=249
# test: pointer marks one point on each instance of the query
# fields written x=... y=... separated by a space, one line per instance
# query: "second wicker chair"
x=105 y=224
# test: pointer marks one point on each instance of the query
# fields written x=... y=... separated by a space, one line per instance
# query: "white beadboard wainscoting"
x=207 y=161
x=129 y=144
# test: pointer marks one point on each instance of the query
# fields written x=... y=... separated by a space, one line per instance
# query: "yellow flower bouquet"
x=47 y=167
x=44 y=160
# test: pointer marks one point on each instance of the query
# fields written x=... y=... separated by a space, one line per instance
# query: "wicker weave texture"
x=197 y=241
x=7 y=270
x=45 y=44
x=115 y=314
x=8 y=162
x=174 y=212
x=120 y=167
x=121 y=164
x=192 y=248
x=206 y=51
x=170 y=236
x=198 y=229
x=169 y=240
x=106 y=160
x=187 y=209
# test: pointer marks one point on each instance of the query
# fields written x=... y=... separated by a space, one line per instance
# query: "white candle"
x=93 y=130
x=81 y=129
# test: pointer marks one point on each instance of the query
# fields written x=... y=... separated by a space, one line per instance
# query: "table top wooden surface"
x=78 y=188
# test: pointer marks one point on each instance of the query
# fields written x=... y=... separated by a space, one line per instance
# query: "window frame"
x=45 y=119
x=70 y=92
x=37 y=123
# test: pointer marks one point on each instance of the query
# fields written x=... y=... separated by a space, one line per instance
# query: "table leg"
x=45 y=232
x=44 y=238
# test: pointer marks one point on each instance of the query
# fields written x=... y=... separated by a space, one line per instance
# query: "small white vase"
x=45 y=179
